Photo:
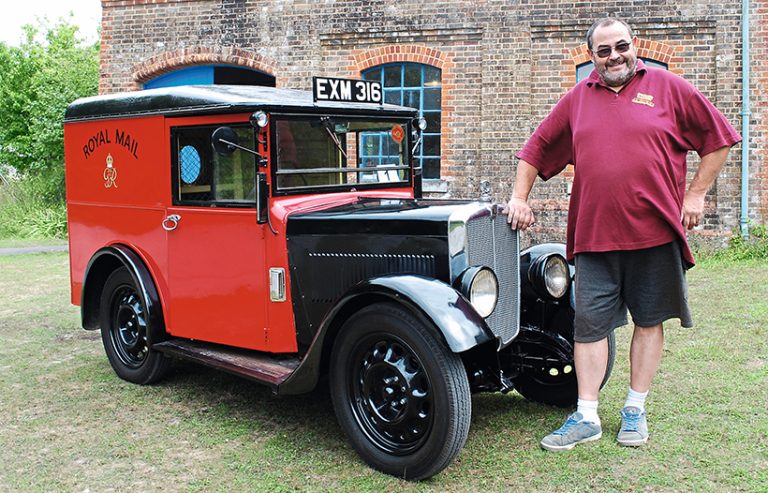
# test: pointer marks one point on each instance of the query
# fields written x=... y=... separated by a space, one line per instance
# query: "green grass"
x=69 y=424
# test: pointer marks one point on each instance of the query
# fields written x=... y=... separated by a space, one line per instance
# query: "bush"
x=26 y=213
x=754 y=247
x=38 y=80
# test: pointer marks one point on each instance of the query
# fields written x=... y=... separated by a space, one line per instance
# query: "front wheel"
x=124 y=321
x=402 y=398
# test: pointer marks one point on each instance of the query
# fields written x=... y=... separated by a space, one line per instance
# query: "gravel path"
x=33 y=249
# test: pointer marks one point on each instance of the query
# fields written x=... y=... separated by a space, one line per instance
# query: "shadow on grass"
x=307 y=423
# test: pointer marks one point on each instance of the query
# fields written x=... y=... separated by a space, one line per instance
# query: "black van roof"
x=208 y=99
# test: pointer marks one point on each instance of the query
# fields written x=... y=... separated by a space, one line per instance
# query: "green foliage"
x=753 y=248
x=25 y=212
x=37 y=81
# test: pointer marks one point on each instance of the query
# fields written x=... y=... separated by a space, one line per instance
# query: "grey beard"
x=618 y=79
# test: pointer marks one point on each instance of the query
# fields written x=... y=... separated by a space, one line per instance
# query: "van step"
x=263 y=367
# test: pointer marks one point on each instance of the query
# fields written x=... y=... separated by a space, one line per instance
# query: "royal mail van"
x=282 y=235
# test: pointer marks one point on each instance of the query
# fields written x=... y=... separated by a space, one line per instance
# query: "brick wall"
x=504 y=64
x=758 y=160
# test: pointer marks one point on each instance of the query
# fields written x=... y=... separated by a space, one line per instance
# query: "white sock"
x=588 y=410
x=636 y=399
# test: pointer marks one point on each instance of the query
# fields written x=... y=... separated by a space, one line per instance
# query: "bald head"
x=607 y=21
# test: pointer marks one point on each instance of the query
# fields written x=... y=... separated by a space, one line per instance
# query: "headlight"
x=480 y=286
x=259 y=119
x=550 y=274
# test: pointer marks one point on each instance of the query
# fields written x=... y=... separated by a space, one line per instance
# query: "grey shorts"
x=650 y=282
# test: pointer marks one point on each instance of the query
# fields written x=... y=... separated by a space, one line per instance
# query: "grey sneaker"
x=573 y=432
x=634 y=427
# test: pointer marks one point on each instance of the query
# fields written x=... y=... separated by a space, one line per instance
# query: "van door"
x=216 y=261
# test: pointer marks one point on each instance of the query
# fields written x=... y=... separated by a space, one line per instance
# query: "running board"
x=262 y=367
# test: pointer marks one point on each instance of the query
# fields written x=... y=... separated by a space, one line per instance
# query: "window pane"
x=391 y=148
x=431 y=168
x=371 y=145
x=373 y=74
x=190 y=164
x=205 y=176
x=194 y=163
x=413 y=99
x=392 y=76
x=432 y=76
x=433 y=122
x=236 y=173
x=393 y=97
x=412 y=75
x=431 y=145
x=432 y=99
x=330 y=153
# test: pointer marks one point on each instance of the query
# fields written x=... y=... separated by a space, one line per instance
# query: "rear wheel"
x=124 y=324
x=402 y=398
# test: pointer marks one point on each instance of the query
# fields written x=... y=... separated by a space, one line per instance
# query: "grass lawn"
x=69 y=424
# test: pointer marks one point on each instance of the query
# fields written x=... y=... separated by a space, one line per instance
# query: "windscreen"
x=325 y=152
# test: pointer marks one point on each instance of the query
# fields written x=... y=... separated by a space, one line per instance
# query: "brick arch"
x=364 y=60
x=646 y=48
x=199 y=55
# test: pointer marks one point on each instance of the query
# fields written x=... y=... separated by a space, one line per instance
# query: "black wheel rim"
x=392 y=397
x=128 y=327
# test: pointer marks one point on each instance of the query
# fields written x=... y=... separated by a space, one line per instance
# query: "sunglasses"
x=605 y=51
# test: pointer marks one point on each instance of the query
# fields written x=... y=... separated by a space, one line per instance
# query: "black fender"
x=101 y=265
x=431 y=300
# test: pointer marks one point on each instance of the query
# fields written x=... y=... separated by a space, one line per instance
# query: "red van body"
x=281 y=235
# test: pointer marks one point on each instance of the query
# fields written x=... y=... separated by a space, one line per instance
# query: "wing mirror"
x=224 y=141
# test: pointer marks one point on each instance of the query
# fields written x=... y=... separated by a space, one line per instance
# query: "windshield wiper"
x=335 y=138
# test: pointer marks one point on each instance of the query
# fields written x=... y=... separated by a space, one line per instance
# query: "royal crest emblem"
x=110 y=173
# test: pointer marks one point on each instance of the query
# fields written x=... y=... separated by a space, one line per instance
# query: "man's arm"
x=693 y=203
x=519 y=213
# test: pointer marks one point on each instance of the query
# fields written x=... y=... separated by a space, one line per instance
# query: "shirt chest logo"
x=645 y=99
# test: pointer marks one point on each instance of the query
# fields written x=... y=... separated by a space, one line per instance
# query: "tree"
x=37 y=81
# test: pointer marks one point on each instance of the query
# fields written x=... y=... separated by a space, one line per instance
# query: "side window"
x=418 y=86
x=204 y=177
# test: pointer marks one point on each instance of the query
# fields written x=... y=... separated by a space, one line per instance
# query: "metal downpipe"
x=745 y=115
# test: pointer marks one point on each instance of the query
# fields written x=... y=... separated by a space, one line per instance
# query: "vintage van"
x=281 y=235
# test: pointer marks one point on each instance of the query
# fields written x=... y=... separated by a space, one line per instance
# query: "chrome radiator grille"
x=491 y=242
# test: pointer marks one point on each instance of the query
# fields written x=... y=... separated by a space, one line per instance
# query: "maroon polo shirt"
x=629 y=154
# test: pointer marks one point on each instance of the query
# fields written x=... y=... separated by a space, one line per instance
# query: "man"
x=627 y=130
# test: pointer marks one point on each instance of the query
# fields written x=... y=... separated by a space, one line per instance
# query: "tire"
x=400 y=395
x=561 y=389
x=124 y=322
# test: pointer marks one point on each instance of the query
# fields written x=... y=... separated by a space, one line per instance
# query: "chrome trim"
x=277 y=284
x=457 y=235
x=464 y=226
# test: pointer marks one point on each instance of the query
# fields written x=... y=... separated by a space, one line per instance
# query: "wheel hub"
x=388 y=390
x=394 y=403
x=129 y=328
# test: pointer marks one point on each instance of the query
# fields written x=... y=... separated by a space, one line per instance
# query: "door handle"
x=171 y=222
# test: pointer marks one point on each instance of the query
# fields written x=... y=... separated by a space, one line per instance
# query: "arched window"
x=418 y=86
x=583 y=70
x=211 y=74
